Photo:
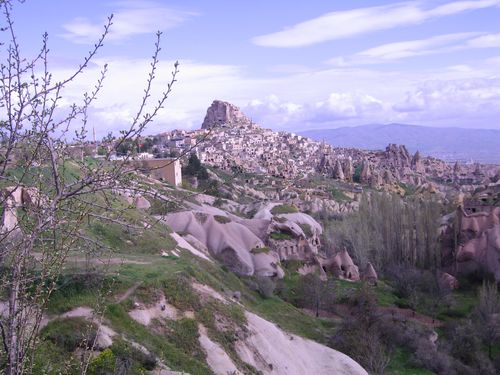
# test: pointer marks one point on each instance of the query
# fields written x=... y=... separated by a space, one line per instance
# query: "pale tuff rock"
x=338 y=172
x=161 y=309
x=348 y=170
x=223 y=113
x=366 y=172
x=218 y=360
x=369 y=274
x=448 y=282
x=273 y=351
x=342 y=266
x=417 y=164
x=231 y=243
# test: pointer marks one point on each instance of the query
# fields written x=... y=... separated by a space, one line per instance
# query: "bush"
x=259 y=250
x=222 y=219
x=284 y=209
x=180 y=293
x=281 y=236
x=128 y=356
x=103 y=364
x=70 y=333
x=266 y=286
x=306 y=228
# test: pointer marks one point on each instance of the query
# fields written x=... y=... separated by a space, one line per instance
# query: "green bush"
x=103 y=364
x=281 y=236
x=134 y=358
x=184 y=333
x=70 y=333
x=180 y=293
x=306 y=228
x=266 y=286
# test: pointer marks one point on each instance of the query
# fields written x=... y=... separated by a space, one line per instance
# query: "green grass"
x=293 y=319
x=281 y=236
x=70 y=333
x=306 y=228
x=400 y=365
x=167 y=350
x=339 y=196
x=260 y=250
x=284 y=209
x=384 y=292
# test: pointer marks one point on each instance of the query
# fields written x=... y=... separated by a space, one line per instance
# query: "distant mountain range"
x=449 y=144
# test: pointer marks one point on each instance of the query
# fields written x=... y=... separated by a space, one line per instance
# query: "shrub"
x=126 y=355
x=266 y=286
x=180 y=293
x=70 y=333
x=103 y=364
x=284 y=209
x=306 y=228
x=222 y=219
x=259 y=250
x=281 y=236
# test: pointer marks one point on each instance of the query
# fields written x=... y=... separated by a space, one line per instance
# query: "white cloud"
x=331 y=97
x=345 y=24
x=485 y=41
x=338 y=107
x=420 y=47
x=131 y=18
x=475 y=99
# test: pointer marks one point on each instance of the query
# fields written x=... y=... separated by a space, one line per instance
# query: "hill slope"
x=450 y=144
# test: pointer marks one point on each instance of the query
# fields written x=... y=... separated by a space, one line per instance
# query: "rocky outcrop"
x=342 y=266
x=223 y=113
x=366 y=172
x=13 y=198
x=470 y=237
x=272 y=351
x=232 y=243
x=447 y=281
x=348 y=170
x=338 y=172
x=370 y=275
x=417 y=164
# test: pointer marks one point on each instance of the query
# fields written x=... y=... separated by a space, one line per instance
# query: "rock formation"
x=223 y=113
x=232 y=243
x=338 y=172
x=366 y=172
x=348 y=170
x=342 y=266
x=416 y=163
x=370 y=275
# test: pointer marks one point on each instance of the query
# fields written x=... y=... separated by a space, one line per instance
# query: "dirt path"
x=343 y=311
x=128 y=292
x=408 y=314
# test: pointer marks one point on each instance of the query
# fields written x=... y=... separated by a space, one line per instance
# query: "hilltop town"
x=230 y=141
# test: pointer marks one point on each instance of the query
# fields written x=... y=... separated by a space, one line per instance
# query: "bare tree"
x=487 y=315
x=49 y=191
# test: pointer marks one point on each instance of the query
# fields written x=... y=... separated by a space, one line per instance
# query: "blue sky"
x=290 y=65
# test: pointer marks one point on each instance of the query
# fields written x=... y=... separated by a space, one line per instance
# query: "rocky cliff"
x=222 y=113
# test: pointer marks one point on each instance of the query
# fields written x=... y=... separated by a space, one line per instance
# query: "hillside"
x=449 y=144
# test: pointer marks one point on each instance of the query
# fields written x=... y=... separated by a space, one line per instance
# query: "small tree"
x=43 y=172
x=487 y=315
x=316 y=293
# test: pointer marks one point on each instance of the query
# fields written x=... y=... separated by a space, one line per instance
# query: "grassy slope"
x=139 y=250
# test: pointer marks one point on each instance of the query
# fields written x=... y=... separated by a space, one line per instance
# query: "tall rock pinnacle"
x=223 y=114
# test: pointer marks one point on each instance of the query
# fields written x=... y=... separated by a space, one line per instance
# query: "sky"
x=290 y=65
